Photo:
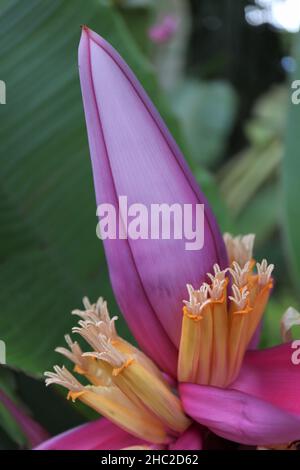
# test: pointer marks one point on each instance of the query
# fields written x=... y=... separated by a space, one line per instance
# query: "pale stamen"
x=197 y=299
x=107 y=352
x=74 y=354
x=264 y=272
x=96 y=313
x=240 y=248
x=240 y=275
x=63 y=377
x=218 y=282
x=218 y=273
x=216 y=289
x=240 y=296
x=107 y=329
x=290 y=318
x=89 y=333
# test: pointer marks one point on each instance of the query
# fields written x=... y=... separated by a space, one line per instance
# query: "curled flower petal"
x=191 y=439
x=134 y=155
x=97 y=435
x=238 y=416
x=270 y=375
x=31 y=429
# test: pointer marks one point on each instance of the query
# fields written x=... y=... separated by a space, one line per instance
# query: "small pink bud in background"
x=164 y=30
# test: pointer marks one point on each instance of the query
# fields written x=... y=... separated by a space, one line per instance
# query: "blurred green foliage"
x=290 y=179
x=221 y=88
x=206 y=112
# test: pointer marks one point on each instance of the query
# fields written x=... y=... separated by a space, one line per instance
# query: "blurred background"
x=220 y=73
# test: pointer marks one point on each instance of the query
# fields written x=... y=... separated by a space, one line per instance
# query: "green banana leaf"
x=49 y=254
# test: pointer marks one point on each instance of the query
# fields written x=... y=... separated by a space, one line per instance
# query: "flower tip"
x=84 y=28
x=89 y=36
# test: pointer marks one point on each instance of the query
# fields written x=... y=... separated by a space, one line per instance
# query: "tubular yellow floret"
x=218 y=293
x=126 y=386
x=217 y=328
x=205 y=345
x=238 y=319
x=155 y=394
x=194 y=322
x=112 y=403
x=188 y=359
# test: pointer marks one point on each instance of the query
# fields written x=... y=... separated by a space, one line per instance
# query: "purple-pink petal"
x=191 y=439
x=238 y=416
x=270 y=374
x=255 y=340
x=33 y=431
x=96 y=435
x=134 y=155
